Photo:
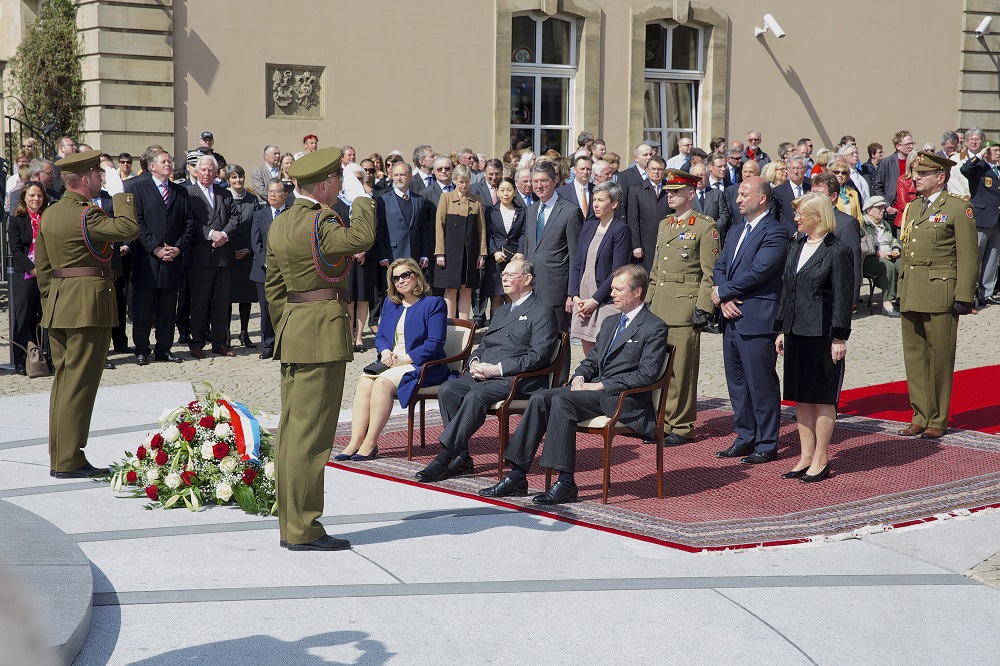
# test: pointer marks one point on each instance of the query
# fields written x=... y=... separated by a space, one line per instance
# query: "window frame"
x=669 y=75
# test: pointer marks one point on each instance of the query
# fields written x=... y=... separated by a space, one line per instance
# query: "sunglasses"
x=406 y=275
x=839 y=172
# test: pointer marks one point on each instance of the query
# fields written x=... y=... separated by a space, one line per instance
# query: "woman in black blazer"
x=22 y=229
x=504 y=239
x=813 y=324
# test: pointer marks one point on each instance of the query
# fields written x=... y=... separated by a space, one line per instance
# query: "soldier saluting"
x=73 y=265
x=680 y=293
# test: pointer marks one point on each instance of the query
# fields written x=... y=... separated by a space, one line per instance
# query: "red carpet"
x=975 y=401
x=879 y=479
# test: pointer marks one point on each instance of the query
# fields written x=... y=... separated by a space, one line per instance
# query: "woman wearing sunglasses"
x=412 y=331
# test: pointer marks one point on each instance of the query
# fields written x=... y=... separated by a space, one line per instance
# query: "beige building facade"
x=489 y=74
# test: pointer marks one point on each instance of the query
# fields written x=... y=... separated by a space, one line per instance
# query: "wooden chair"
x=510 y=405
x=609 y=426
x=457 y=348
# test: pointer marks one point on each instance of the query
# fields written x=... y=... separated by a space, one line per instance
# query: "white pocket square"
x=630 y=340
x=523 y=318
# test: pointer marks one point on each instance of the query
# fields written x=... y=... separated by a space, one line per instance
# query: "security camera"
x=769 y=25
x=984 y=26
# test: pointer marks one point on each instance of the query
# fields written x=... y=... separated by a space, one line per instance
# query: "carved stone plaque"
x=295 y=91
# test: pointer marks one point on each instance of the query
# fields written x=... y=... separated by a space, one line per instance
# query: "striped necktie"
x=165 y=193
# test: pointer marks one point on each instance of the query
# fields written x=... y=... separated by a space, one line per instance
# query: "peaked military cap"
x=316 y=166
x=677 y=179
x=80 y=162
x=932 y=162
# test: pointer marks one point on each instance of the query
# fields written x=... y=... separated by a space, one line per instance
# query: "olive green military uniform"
x=687 y=247
x=940 y=264
x=79 y=313
x=313 y=341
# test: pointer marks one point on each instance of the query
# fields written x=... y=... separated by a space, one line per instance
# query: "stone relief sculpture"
x=295 y=91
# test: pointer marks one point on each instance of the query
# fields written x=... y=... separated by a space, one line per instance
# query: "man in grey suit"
x=552 y=231
x=522 y=337
x=423 y=176
x=629 y=352
x=209 y=258
x=262 y=175
x=848 y=227
x=261 y=224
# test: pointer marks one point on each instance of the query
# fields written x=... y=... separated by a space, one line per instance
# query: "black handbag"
x=376 y=368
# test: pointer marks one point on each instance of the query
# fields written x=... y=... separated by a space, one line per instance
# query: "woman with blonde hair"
x=813 y=324
x=775 y=173
x=461 y=243
x=848 y=199
x=412 y=330
x=820 y=160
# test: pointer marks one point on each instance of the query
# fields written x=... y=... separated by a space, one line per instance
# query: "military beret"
x=990 y=144
x=677 y=179
x=932 y=162
x=316 y=166
x=80 y=162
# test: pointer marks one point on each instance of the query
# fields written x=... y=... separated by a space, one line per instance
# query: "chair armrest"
x=550 y=369
x=461 y=356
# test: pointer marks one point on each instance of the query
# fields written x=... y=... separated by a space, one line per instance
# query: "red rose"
x=249 y=474
x=207 y=421
x=221 y=450
x=161 y=458
x=194 y=406
x=187 y=431
x=188 y=477
x=153 y=493
x=157 y=442
x=131 y=477
x=140 y=453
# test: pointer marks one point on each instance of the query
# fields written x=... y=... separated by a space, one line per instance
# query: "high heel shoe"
x=795 y=473
x=359 y=349
x=370 y=456
x=245 y=340
x=825 y=472
x=343 y=456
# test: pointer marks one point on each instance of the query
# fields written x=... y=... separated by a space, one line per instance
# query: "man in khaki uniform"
x=308 y=256
x=73 y=263
x=937 y=282
x=680 y=293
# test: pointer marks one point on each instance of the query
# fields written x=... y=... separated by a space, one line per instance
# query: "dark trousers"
x=382 y=290
x=464 y=403
x=183 y=317
x=209 y=304
x=149 y=306
x=552 y=413
x=119 y=339
x=266 y=328
x=563 y=318
x=753 y=388
x=27 y=311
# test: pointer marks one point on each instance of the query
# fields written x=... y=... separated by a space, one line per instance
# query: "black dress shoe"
x=108 y=365
x=433 y=473
x=168 y=357
x=712 y=328
x=267 y=353
x=990 y=300
x=283 y=543
x=734 y=451
x=325 y=542
x=825 y=472
x=795 y=473
x=758 y=457
x=507 y=487
x=85 y=471
x=245 y=341
x=20 y=369
x=122 y=349
x=460 y=466
x=560 y=493
x=359 y=349
x=184 y=338
x=673 y=439
x=142 y=359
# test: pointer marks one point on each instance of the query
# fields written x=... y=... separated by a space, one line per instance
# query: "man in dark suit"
x=629 y=352
x=423 y=160
x=521 y=338
x=647 y=206
x=983 y=174
x=888 y=170
x=525 y=194
x=404 y=228
x=747 y=281
x=441 y=184
x=848 y=227
x=209 y=259
x=709 y=201
x=734 y=164
x=121 y=264
x=793 y=188
x=552 y=231
x=166 y=229
x=718 y=174
x=580 y=191
x=43 y=172
x=261 y=224
x=635 y=175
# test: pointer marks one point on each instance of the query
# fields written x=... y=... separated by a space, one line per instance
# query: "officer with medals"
x=937 y=282
x=680 y=293
x=309 y=252
x=77 y=285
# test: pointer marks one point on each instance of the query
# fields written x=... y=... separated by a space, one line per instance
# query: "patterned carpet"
x=879 y=481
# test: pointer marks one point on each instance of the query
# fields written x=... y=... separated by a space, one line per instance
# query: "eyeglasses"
x=442 y=169
x=405 y=275
x=124 y=161
x=504 y=275
x=839 y=172
x=370 y=170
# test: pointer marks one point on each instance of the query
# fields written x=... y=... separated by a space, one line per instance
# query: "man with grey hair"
x=949 y=144
x=423 y=168
x=793 y=188
x=43 y=172
x=442 y=168
x=347 y=155
x=958 y=184
x=262 y=175
x=734 y=162
x=468 y=157
x=635 y=175
x=754 y=152
x=525 y=194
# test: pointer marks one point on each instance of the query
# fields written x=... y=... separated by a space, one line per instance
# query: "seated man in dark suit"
x=629 y=352
x=521 y=338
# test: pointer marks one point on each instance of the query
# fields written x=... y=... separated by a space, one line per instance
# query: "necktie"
x=274 y=172
x=720 y=186
x=798 y=191
x=927 y=204
x=656 y=188
x=448 y=188
x=493 y=196
x=274 y=213
x=540 y=223
x=701 y=199
x=621 y=328
x=429 y=180
x=746 y=232
x=583 y=201
x=211 y=199
x=164 y=192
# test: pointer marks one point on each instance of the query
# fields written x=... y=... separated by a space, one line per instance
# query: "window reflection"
x=684 y=52
x=522 y=100
x=656 y=46
x=523 y=39
x=555 y=94
x=555 y=42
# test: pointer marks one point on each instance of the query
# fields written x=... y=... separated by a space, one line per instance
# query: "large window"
x=542 y=69
x=675 y=69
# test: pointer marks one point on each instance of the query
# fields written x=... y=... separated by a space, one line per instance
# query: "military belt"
x=331 y=294
x=87 y=271
x=678 y=277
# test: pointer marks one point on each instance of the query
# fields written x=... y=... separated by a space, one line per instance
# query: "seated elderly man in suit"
x=629 y=352
x=521 y=338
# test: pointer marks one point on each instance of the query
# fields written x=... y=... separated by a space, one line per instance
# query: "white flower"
x=152 y=476
x=228 y=464
x=170 y=415
x=173 y=480
x=224 y=491
x=206 y=450
x=220 y=413
x=269 y=469
x=171 y=434
x=136 y=463
x=223 y=430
